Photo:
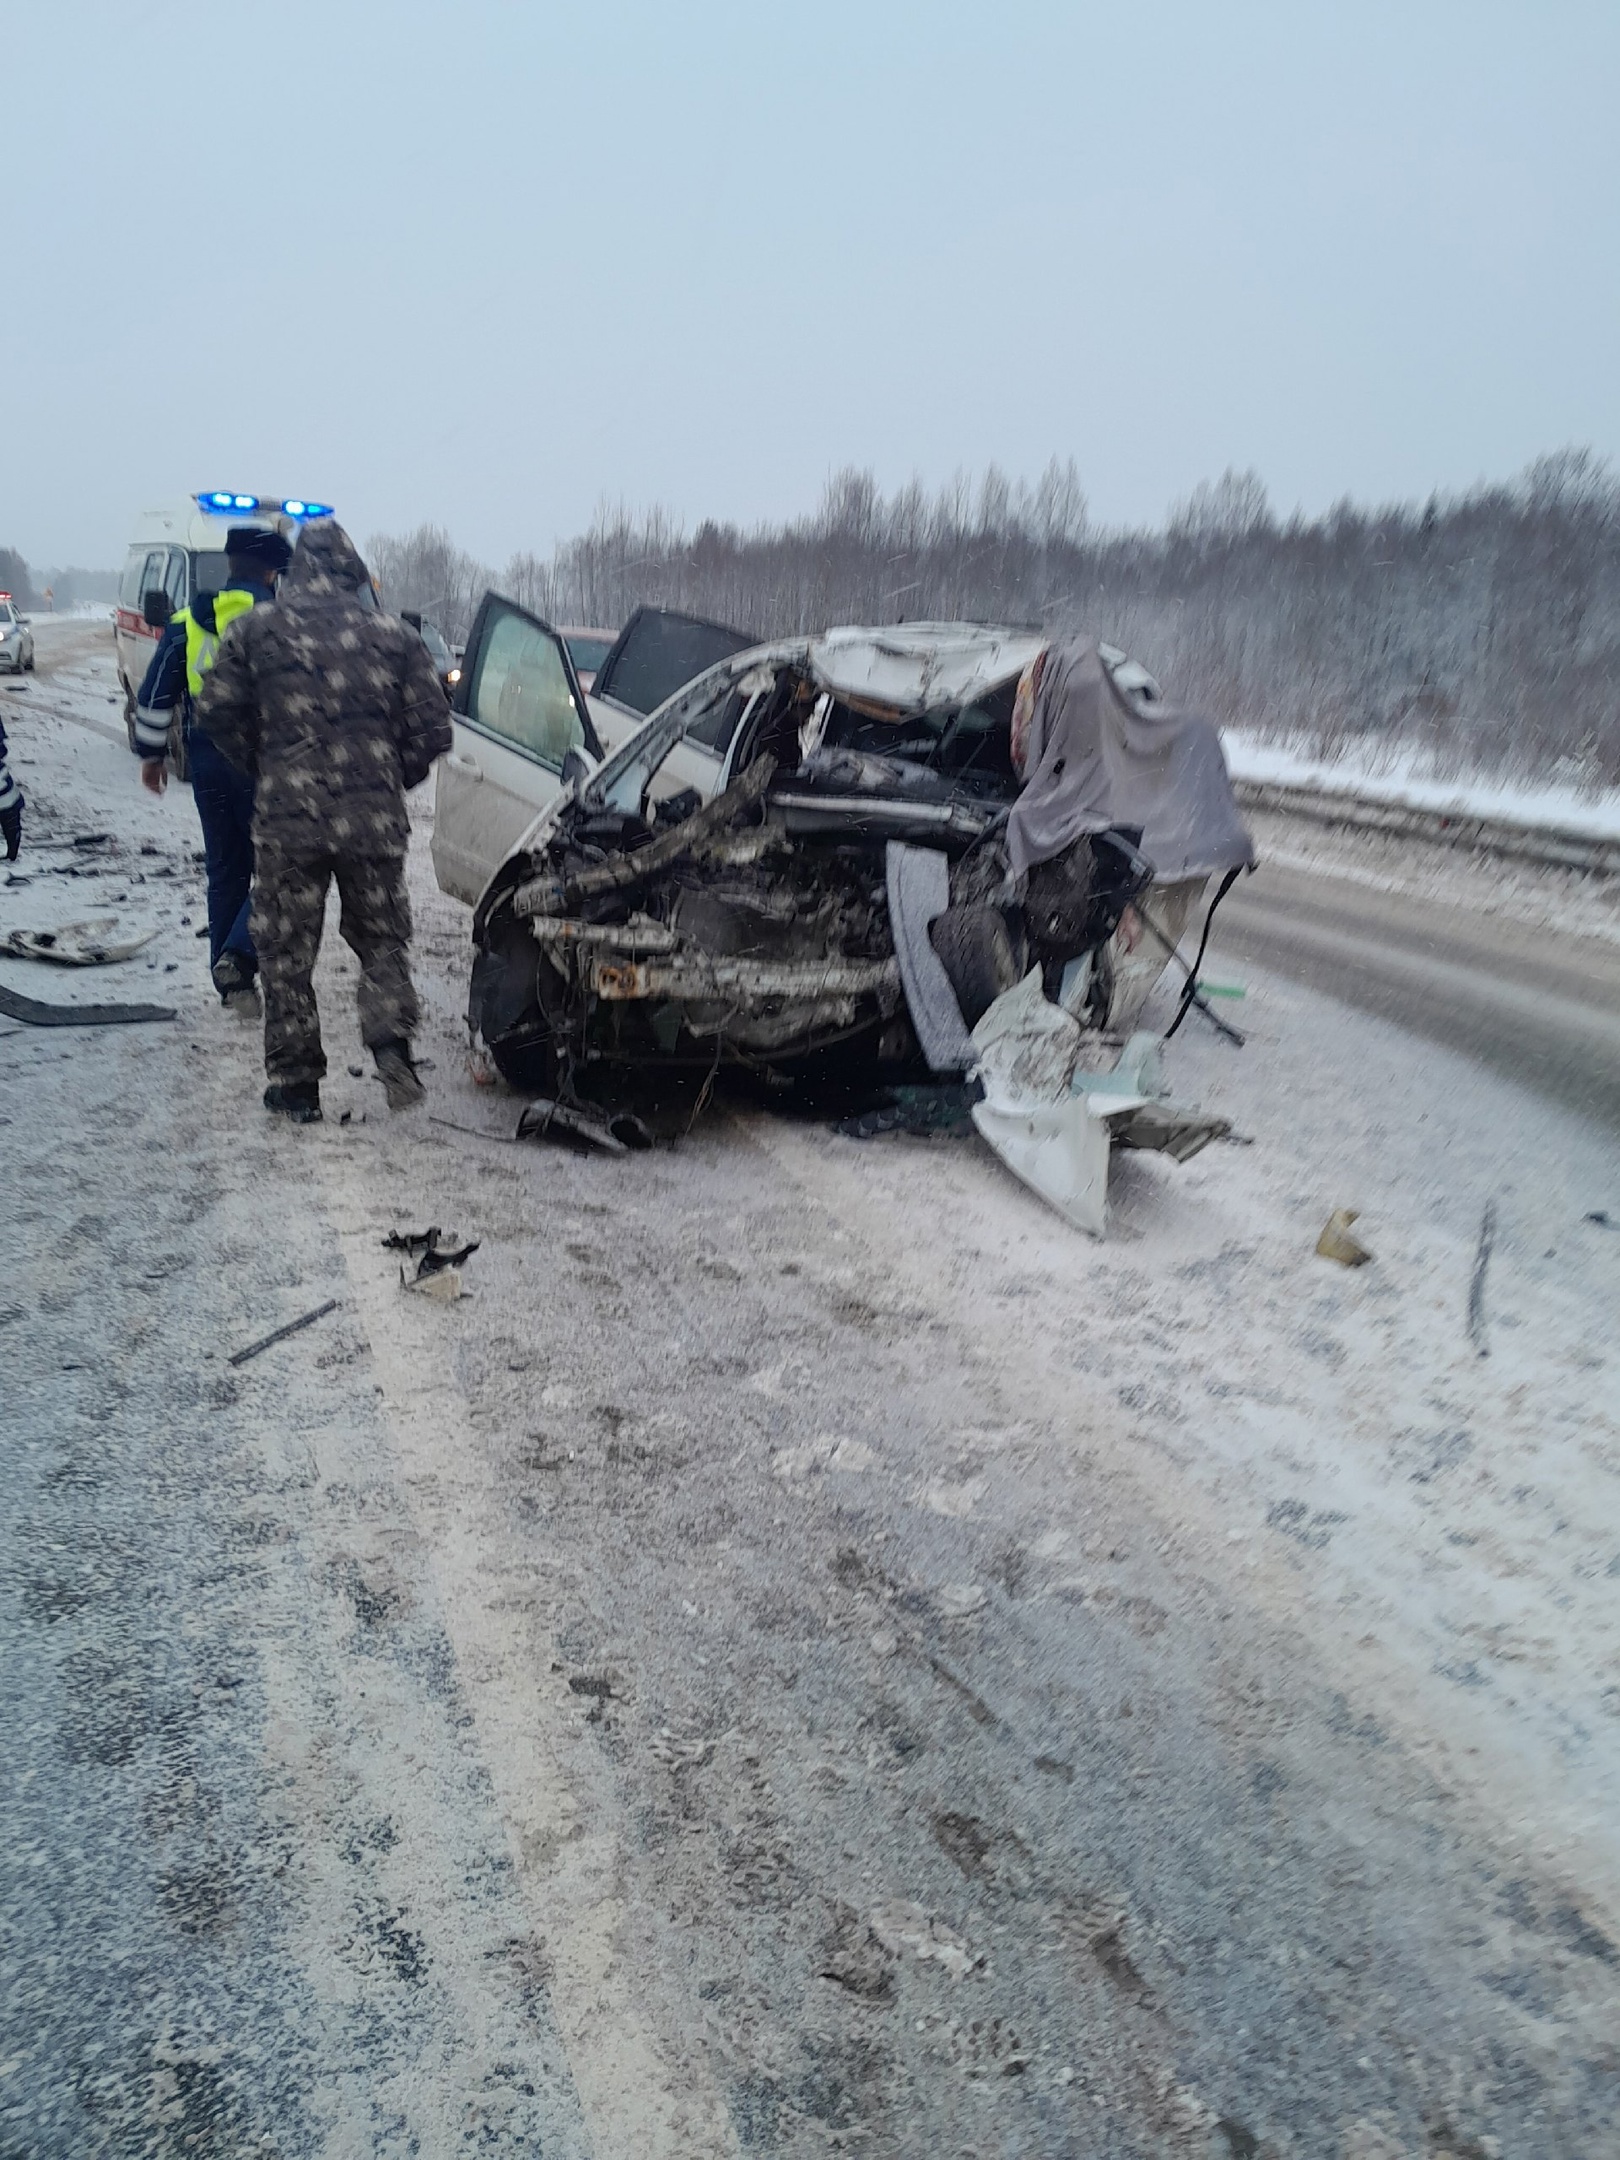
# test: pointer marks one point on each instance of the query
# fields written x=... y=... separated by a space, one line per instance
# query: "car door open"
x=518 y=712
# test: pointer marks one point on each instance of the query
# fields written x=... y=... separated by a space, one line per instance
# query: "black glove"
x=11 y=826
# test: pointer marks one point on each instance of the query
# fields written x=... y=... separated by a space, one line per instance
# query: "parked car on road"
x=445 y=665
x=587 y=649
x=16 y=637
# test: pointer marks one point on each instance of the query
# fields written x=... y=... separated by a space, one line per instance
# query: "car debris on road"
x=76 y=944
x=1337 y=1243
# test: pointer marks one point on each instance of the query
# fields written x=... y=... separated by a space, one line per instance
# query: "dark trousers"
x=289 y=913
x=224 y=799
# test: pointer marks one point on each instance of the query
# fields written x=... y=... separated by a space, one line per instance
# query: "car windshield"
x=208 y=571
x=436 y=646
x=6 y=612
x=588 y=653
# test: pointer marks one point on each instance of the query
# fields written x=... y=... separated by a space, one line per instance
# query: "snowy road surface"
x=812 y=1655
x=1542 y=1007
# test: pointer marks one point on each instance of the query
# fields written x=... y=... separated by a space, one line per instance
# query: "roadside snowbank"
x=1407 y=778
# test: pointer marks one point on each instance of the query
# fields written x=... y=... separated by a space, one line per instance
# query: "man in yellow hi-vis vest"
x=224 y=797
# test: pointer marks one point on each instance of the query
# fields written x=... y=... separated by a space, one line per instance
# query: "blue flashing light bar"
x=222 y=503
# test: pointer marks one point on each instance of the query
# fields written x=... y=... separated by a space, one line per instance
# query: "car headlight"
x=454 y=675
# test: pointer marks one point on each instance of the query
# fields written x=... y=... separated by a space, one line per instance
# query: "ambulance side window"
x=129 y=593
x=174 y=579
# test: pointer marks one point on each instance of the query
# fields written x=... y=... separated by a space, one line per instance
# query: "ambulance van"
x=176 y=556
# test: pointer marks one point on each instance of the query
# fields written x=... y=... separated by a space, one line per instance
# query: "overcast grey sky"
x=491 y=263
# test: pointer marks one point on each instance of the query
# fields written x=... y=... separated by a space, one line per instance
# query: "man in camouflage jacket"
x=335 y=711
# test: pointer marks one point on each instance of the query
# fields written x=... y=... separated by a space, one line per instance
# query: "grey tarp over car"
x=1098 y=757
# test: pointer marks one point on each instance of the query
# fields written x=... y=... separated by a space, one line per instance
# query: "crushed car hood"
x=918 y=667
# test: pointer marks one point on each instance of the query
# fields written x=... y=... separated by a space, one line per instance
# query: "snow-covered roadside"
x=144 y=876
x=1445 y=1527
x=1568 y=903
x=1407 y=778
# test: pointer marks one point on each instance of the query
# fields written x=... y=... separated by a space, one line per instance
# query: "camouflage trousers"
x=289 y=911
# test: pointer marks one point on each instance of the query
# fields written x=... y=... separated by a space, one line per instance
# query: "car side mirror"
x=156 y=608
x=577 y=765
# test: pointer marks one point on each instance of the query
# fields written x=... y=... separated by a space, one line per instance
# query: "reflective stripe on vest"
x=201 y=644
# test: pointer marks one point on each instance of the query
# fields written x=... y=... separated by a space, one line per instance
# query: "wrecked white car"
x=824 y=860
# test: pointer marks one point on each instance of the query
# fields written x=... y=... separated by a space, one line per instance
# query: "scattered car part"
x=38 y=1014
x=445 y=1284
x=546 y=1120
x=80 y=944
x=1476 y=1287
x=432 y=1254
x=1054 y=1126
x=280 y=1334
x=1336 y=1243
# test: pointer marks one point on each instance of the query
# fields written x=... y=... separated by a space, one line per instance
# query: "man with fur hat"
x=335 y=711
x=254 y=559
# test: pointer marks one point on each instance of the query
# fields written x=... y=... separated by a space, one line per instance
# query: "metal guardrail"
x=1550 y=845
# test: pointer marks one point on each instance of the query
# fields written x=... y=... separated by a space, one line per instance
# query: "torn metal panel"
x=919 y=888
x=623 y=873
x=696 y=975
x=640 y=935
x=1055 y=1126
x=878 y=818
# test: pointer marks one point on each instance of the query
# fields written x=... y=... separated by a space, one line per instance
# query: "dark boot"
x=399 y=1076
x=299 y=1100
x=234 y=980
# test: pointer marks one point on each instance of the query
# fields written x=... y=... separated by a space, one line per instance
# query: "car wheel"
x=129 y=715
x=30 y=659
x=975 y=948
x=505 y=1009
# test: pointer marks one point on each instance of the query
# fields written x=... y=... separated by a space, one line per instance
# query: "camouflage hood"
x=332 y=706
x=326 y=564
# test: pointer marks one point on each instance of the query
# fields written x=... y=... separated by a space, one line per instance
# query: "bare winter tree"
x=427 y=571
x=1483 y=627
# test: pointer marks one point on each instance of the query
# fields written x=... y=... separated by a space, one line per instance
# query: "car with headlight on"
x=798 y=864
x=444 y=660
x=16 y=637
